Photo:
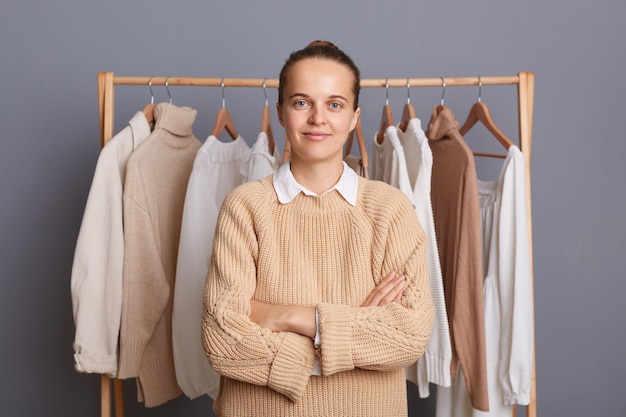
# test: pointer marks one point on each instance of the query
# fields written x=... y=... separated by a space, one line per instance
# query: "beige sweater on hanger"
x=156 y=181
x=317 y=251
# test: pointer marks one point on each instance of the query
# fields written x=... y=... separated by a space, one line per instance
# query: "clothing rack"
x=525 y=82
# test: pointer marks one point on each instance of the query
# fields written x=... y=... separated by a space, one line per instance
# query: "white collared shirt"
x=287 y=188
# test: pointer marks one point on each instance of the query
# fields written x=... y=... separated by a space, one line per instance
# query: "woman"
x=317 y=295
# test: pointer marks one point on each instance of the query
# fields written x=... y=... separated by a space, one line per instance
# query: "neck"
x=317 y=177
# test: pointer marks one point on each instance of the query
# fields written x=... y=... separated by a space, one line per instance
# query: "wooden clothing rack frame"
x=525 y=82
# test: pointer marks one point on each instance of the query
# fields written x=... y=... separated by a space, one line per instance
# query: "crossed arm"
x=301 y=319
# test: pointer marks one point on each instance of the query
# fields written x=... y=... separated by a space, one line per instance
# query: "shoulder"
x=387 y=207
x=251 y=195
x=378 y=195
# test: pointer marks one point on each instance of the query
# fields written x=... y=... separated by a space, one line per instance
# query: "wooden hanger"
x=148 y=111
x=266 y=126
x=223 y=120
x=480 y=113
x=358 y=164
x=386 y=119
x=266 y=123
x=408 y=112
x=360 y=141
x=286 y=152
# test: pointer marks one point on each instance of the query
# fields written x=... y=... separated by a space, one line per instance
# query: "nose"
x=317 y=116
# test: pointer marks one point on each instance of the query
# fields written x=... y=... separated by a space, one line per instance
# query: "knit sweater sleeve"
x=145 y=289
x=235 y=346
x=392 y=336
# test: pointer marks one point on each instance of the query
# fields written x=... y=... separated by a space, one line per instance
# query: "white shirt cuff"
x=317 y=369
x=316 y=342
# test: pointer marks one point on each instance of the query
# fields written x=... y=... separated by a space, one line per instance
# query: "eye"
x=336 y=106
x=300 y=103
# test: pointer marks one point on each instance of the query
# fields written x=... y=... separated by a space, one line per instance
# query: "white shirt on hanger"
x=434 y=365
x=388 y=163
x=218 y=168
x=96 y=282
x=259 y=162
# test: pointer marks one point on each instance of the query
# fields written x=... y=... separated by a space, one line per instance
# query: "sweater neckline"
x=178 y=121
x=331 y=202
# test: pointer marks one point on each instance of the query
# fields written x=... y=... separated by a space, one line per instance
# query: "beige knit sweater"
x=318 y=251
x=156 y=181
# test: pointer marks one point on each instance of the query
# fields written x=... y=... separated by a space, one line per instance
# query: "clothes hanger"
x=408 y=112
x=359 y=165
x=386 y=119
x=480 y=113
x=223 y=120
x=360 y=140
x=359 y=133
x=266 y=123
x=148 y=110
x=286 y=152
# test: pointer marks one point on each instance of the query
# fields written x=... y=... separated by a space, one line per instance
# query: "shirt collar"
x=287 y=188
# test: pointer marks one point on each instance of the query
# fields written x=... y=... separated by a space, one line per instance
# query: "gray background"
x=50 y=53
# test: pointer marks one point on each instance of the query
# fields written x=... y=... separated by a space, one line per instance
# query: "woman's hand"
x=389 y=290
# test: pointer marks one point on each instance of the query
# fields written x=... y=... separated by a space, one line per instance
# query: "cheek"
x=293 y=119
x=291 y=122
x=346 y=123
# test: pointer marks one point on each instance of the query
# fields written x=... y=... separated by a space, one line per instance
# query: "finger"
x=394 y=292
x=401 y=292
x=381 y=290
x=390 y=276
x=381 y=294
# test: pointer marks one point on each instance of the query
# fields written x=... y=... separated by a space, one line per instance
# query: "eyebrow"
x=333 y=96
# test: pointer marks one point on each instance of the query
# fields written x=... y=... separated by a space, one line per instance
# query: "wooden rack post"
x=525 y=82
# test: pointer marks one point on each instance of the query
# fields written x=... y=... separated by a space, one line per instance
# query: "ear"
x=355 y=118
x=280 y=114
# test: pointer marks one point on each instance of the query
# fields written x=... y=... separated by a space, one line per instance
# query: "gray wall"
x=50 y=53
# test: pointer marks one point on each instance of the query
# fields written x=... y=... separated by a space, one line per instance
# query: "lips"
x=316 y=135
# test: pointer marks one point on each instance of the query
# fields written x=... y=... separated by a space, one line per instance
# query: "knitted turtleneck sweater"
x=156 y=181
x=315 y=251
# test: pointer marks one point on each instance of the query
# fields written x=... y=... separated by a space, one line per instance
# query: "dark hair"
x=321 y=50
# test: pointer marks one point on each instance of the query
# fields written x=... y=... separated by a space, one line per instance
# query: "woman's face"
x=318 y=109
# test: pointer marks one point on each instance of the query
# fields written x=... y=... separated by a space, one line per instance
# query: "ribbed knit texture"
x=318 y=251
x=456 y=212
x=434 y=365
x=156 y=180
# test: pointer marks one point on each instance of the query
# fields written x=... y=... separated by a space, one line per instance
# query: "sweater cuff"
x=130 y=358
x=432 y=369
x=158 y=381
x=292 y=365
x=335 y=322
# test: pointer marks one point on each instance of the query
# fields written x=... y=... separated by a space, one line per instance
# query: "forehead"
x=320 y=76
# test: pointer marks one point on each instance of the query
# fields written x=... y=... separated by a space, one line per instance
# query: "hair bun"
x=323 y=44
